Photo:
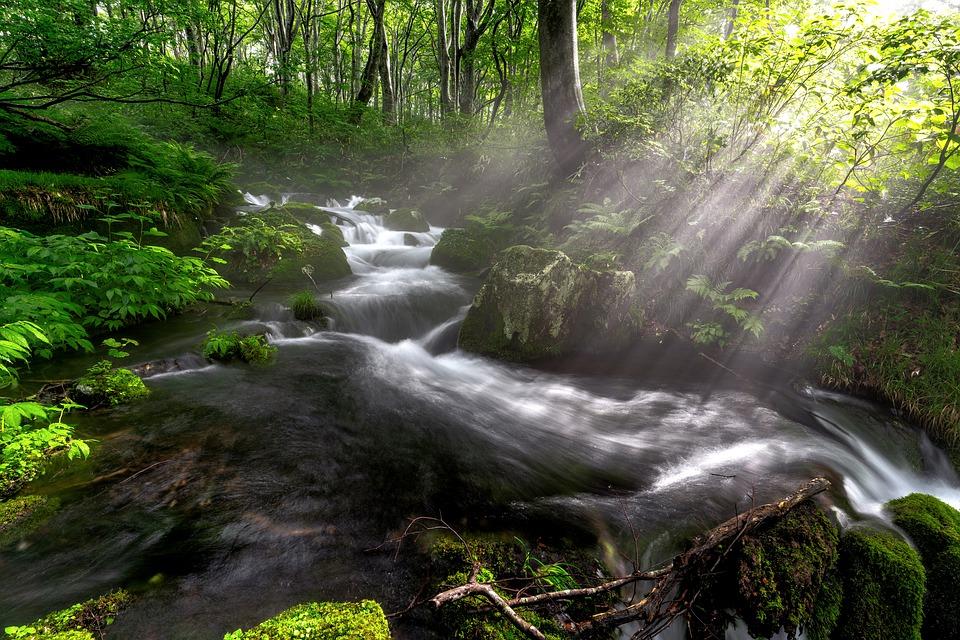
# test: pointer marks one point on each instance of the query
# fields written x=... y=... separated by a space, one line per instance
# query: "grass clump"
x=883 y=588
x=305 y=306
x=84 y=621
x=229 y=346
x=322 y=621
x=103 y=384
x=934 y=527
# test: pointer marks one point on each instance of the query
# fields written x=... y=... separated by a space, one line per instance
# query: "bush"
x=225 y=347
x=305 y=306
x=102 y=384
x=883 y=588
x=935 y=528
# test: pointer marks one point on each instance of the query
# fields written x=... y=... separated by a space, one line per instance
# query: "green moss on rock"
x=537 y=303
x=303 y=211
x=883 y=587
x=934 y=527
x=103 y=384
x=461 y=251
x=83 y=621
x=405 y=220
x=230 y=346
x=20 y=516
x=322 y=621
x=333 y=232
x=375 y=206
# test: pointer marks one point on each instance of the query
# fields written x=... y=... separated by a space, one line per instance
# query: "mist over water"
x=245 y=490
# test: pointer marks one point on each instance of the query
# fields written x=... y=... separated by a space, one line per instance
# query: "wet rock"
x=410 y=240
x=322 y=621
x=375 y=206
x=538 y=303
x=20 y=516
x=934 y=527
x=104 y=385
x=883 y=587
x=461 y=251
x=333 y=232
x=405 y=220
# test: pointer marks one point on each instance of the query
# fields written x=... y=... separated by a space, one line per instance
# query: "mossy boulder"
x=84 y=621
x=461 y=251
x=322 y=621
x=263 y=188
x=375 y=206
x=538 y=303
x=778 y=577
x=883 y=587
x=102 y=384
x=303 y=211
x=934 y=527
x=405 y=220
x=20 y=516
x=334 y=233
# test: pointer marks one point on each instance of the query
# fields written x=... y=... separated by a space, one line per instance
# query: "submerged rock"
x=410 y=240
x=322 y=621
x=405 y=220
x=538 y=303
x=883 y=587
x=461 y=251
x=934 y=527
x=20 y=516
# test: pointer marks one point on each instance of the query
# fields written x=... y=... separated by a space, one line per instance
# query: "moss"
x=325 y=258
x=934 y=527
x=303 y=211
x=20 y=516
x=81 y=621
x=883 y=588
x=461 y=251
x=230 y=346
x=333 y=232
x=405 y=220
x=305 y=306
x=826 y=611
x=375 y=206
x=322 y=621
x=103 y=384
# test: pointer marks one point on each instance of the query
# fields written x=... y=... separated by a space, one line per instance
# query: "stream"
x=236 y=491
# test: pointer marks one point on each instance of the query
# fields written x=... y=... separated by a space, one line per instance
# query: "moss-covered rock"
x=84 y=621
x=333 y=232
x=102 y=384
x=303 y=211
x=20 y=516
x=461 y=251
x=229 y=346
x=323 y=258
x=883 y=587
x=537 y=303
x=375 y=206
x=322 y=621
x=934 y=527
x=405 y=220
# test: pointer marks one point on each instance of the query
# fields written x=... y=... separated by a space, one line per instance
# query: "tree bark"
x=608 y=40
x=673 y=28
x=388 y=95
x=368 y=79
x=731 y=19
x=443 y=57
x=560 y=81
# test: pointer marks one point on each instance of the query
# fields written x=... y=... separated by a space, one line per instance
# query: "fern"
x=725 y=303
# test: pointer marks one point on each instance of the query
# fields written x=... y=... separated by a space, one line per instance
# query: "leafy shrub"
x=725 y=303
x=227 y=346
x=322 y=621
x=305 y=306
x=102 y=384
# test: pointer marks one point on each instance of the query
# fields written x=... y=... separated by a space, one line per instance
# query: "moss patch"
x=322 y=621
x=333 y=232
x=883 y=588
x=20 y=516
x=230 y=346
x=461 y=251
x=88 y=619
x=405 y=220
x=102 y=384
x=934 y=527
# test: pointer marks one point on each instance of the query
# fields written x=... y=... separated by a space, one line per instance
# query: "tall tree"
x=479 y=18
x=560 y=80
x=368 y=79
x=673 y=28
x=608 y=39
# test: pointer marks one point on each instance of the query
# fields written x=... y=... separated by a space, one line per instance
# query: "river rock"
x=461 y=251
x=538 y=303
x=375 y=206
x=405 y=220
x=410 y=240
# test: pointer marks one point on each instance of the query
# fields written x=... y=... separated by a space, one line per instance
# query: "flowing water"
x=235 y=491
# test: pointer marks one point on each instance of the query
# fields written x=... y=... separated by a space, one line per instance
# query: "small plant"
x=228 y=346
x=305 y=306
x=725 y=303
x=103 y=384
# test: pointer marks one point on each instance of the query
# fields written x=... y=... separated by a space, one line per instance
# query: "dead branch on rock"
x=674 y=593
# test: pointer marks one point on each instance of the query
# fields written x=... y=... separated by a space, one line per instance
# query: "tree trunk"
x=731 y=19
x=368 y=79
x=608 y=40
x=560 y=81
x=673 y=28
x=386 y=83
x=443 y=57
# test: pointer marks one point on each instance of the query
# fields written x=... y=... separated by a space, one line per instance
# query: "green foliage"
x=883 y=587
x=305 y=306
x=228 y=346
x=725 y=304
x=661 y=250
x=935 y=528
x=255 y=243
x=83 y=621
x=322 y=621
x=102 y=384
x=770 y=248
x=15 y=348
x=69 y=285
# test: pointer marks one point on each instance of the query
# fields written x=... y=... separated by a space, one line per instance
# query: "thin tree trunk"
x=673 y=28
x=608 y=40
x=731 y=19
